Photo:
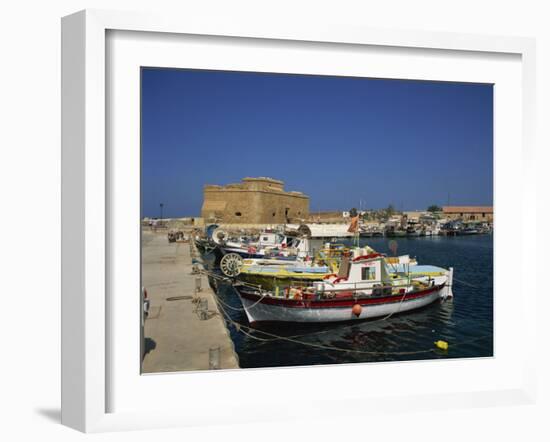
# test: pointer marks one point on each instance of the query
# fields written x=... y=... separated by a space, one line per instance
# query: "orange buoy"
x=356 y=310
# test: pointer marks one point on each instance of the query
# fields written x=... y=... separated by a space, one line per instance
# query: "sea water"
x=466 y=322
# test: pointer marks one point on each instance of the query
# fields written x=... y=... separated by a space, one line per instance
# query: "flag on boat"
x=354 y=225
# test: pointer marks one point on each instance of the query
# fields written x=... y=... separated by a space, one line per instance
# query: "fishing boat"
x=364 y=288
x=452 y=228
x=324 y=232
x=370 y=231
x=431 y=230
x=273 y=272
x=470 y=229
x=224 y=242
x=266 y=245
x=413 y=231
x=366 y=233
x=395 y=232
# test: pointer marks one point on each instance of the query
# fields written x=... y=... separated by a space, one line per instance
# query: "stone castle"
x=254 y=201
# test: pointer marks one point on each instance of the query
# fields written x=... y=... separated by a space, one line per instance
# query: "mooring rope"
x=241 y=309
x=308 y=334
x=469 y=284
x=250 y=335
x=247 y=330
x=342 y=349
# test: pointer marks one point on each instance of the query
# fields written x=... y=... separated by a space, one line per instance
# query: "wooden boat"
x=452 y=228
x=266 y=245
x=413 y=231
x=272 y=273
x=468 y=231
x=364 y=288
x=370 y=231
x=396 y=233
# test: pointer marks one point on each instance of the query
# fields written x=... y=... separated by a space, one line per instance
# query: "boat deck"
x=428 y=270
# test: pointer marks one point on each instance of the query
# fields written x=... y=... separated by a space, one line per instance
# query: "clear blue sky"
x=339 y=140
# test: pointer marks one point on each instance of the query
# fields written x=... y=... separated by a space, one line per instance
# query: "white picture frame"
x=85 y=218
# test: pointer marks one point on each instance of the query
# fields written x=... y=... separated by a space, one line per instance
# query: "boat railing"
x=354 y=286
x=362 y=285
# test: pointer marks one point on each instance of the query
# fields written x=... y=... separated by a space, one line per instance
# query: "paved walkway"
x=175 y=338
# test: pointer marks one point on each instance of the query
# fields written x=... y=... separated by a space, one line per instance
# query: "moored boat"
x=396 y=232
x=364 y=288
x=266 y=245
x=273 y=272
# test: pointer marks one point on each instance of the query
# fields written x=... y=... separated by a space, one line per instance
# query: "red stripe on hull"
x=336 y=303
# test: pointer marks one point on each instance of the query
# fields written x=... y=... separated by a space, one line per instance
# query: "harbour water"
x=466 y=322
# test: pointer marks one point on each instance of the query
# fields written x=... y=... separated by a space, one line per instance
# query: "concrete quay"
x=175 y=338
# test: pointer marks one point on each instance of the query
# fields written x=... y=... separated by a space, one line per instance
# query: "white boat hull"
x=260 y=311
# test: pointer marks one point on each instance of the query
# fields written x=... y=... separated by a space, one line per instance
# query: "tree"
x=434 y=208
x=390 y=211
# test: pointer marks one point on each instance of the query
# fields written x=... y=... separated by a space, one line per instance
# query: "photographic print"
x=299 y=220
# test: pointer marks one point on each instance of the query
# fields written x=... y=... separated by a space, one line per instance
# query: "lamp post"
x=161 y=206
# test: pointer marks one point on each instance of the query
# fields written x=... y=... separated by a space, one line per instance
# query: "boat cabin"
x=270 y=239
x=366 y=271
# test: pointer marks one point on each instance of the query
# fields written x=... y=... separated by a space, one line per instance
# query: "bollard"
x=203 y=309
x=214 y=358
x=198 y=285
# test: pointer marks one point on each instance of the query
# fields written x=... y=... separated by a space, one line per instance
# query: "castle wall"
x=255 y=201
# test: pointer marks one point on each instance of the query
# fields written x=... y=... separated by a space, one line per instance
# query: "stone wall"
x=471 y=216
x=254 y=201
x=469 y=213
x=327 y=217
